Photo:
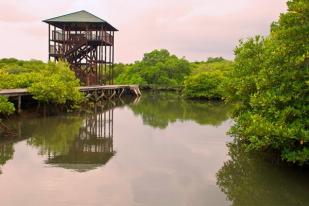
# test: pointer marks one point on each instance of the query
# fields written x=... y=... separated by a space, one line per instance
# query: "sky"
x=194 y=29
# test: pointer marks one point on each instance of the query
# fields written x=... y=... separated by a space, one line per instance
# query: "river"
x=157 y=150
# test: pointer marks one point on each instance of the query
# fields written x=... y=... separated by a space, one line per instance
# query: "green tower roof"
x=82 y=17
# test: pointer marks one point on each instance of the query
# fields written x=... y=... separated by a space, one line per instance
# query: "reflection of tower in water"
x=93 y=146
x=97 y=134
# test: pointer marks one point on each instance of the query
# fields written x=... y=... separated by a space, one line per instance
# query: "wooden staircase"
x=87 y=52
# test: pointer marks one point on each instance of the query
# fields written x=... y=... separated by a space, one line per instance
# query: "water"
x=158 y=150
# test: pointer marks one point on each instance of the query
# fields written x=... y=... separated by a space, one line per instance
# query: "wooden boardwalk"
x=86 y=89
x=94 y=93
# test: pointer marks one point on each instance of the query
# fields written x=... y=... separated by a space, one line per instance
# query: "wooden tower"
x=86 y=42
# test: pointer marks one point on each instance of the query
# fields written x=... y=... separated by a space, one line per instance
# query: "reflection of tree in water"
x=80 y=142
x=52 y=135
x=250 y=179
x=160 y=109
x=7 y=142
x=6 y=153
x=92 y=147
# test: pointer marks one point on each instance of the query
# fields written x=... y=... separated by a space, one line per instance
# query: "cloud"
x=196 y=29
x=191 y=29
x=10 y=12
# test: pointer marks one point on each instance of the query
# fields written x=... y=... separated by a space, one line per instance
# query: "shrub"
x=56 y=84
x=6 y=107
x=204 y=85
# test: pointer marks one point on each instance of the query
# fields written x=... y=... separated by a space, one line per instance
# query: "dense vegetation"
x=161 y=69
x=207 y=79
x=48 y=83
x=270 y=80
x=6 y=107
x=158 y=67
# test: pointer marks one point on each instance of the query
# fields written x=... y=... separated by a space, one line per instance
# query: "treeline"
x=270 y=81
x=159 y=68
x=47 y=82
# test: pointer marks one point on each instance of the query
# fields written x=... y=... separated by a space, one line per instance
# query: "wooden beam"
x=19 y=105
x=113 y=56
x=48 y=42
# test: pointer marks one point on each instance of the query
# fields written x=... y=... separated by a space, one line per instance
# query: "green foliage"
x=204 y=85
x=212 y=65
x=207 y=79
x=215 y=59
x=119 y=69
x=49 y=83
x=242 y=79
x=6 y=107
x=129 y=75
x=158 y=67
x=14 y=66
x=270 y=80
x=56 y=84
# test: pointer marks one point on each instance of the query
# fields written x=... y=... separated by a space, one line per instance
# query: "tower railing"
x=90 y=36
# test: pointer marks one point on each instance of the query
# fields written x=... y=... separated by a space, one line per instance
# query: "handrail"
x=106 y=37
x=103 y=37
x=81 y=40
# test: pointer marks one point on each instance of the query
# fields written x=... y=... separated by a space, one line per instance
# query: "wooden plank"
x=24 y=92
x=14 y=92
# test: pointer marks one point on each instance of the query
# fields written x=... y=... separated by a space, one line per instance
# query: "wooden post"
x=110 y=65
x=54 y=37
x=19 y=105
x=48 y=42
x=113 y=56
x=105 y=59
x=63 y=41
x=112 y=125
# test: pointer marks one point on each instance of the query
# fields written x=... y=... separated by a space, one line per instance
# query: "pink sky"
x=196 y=29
